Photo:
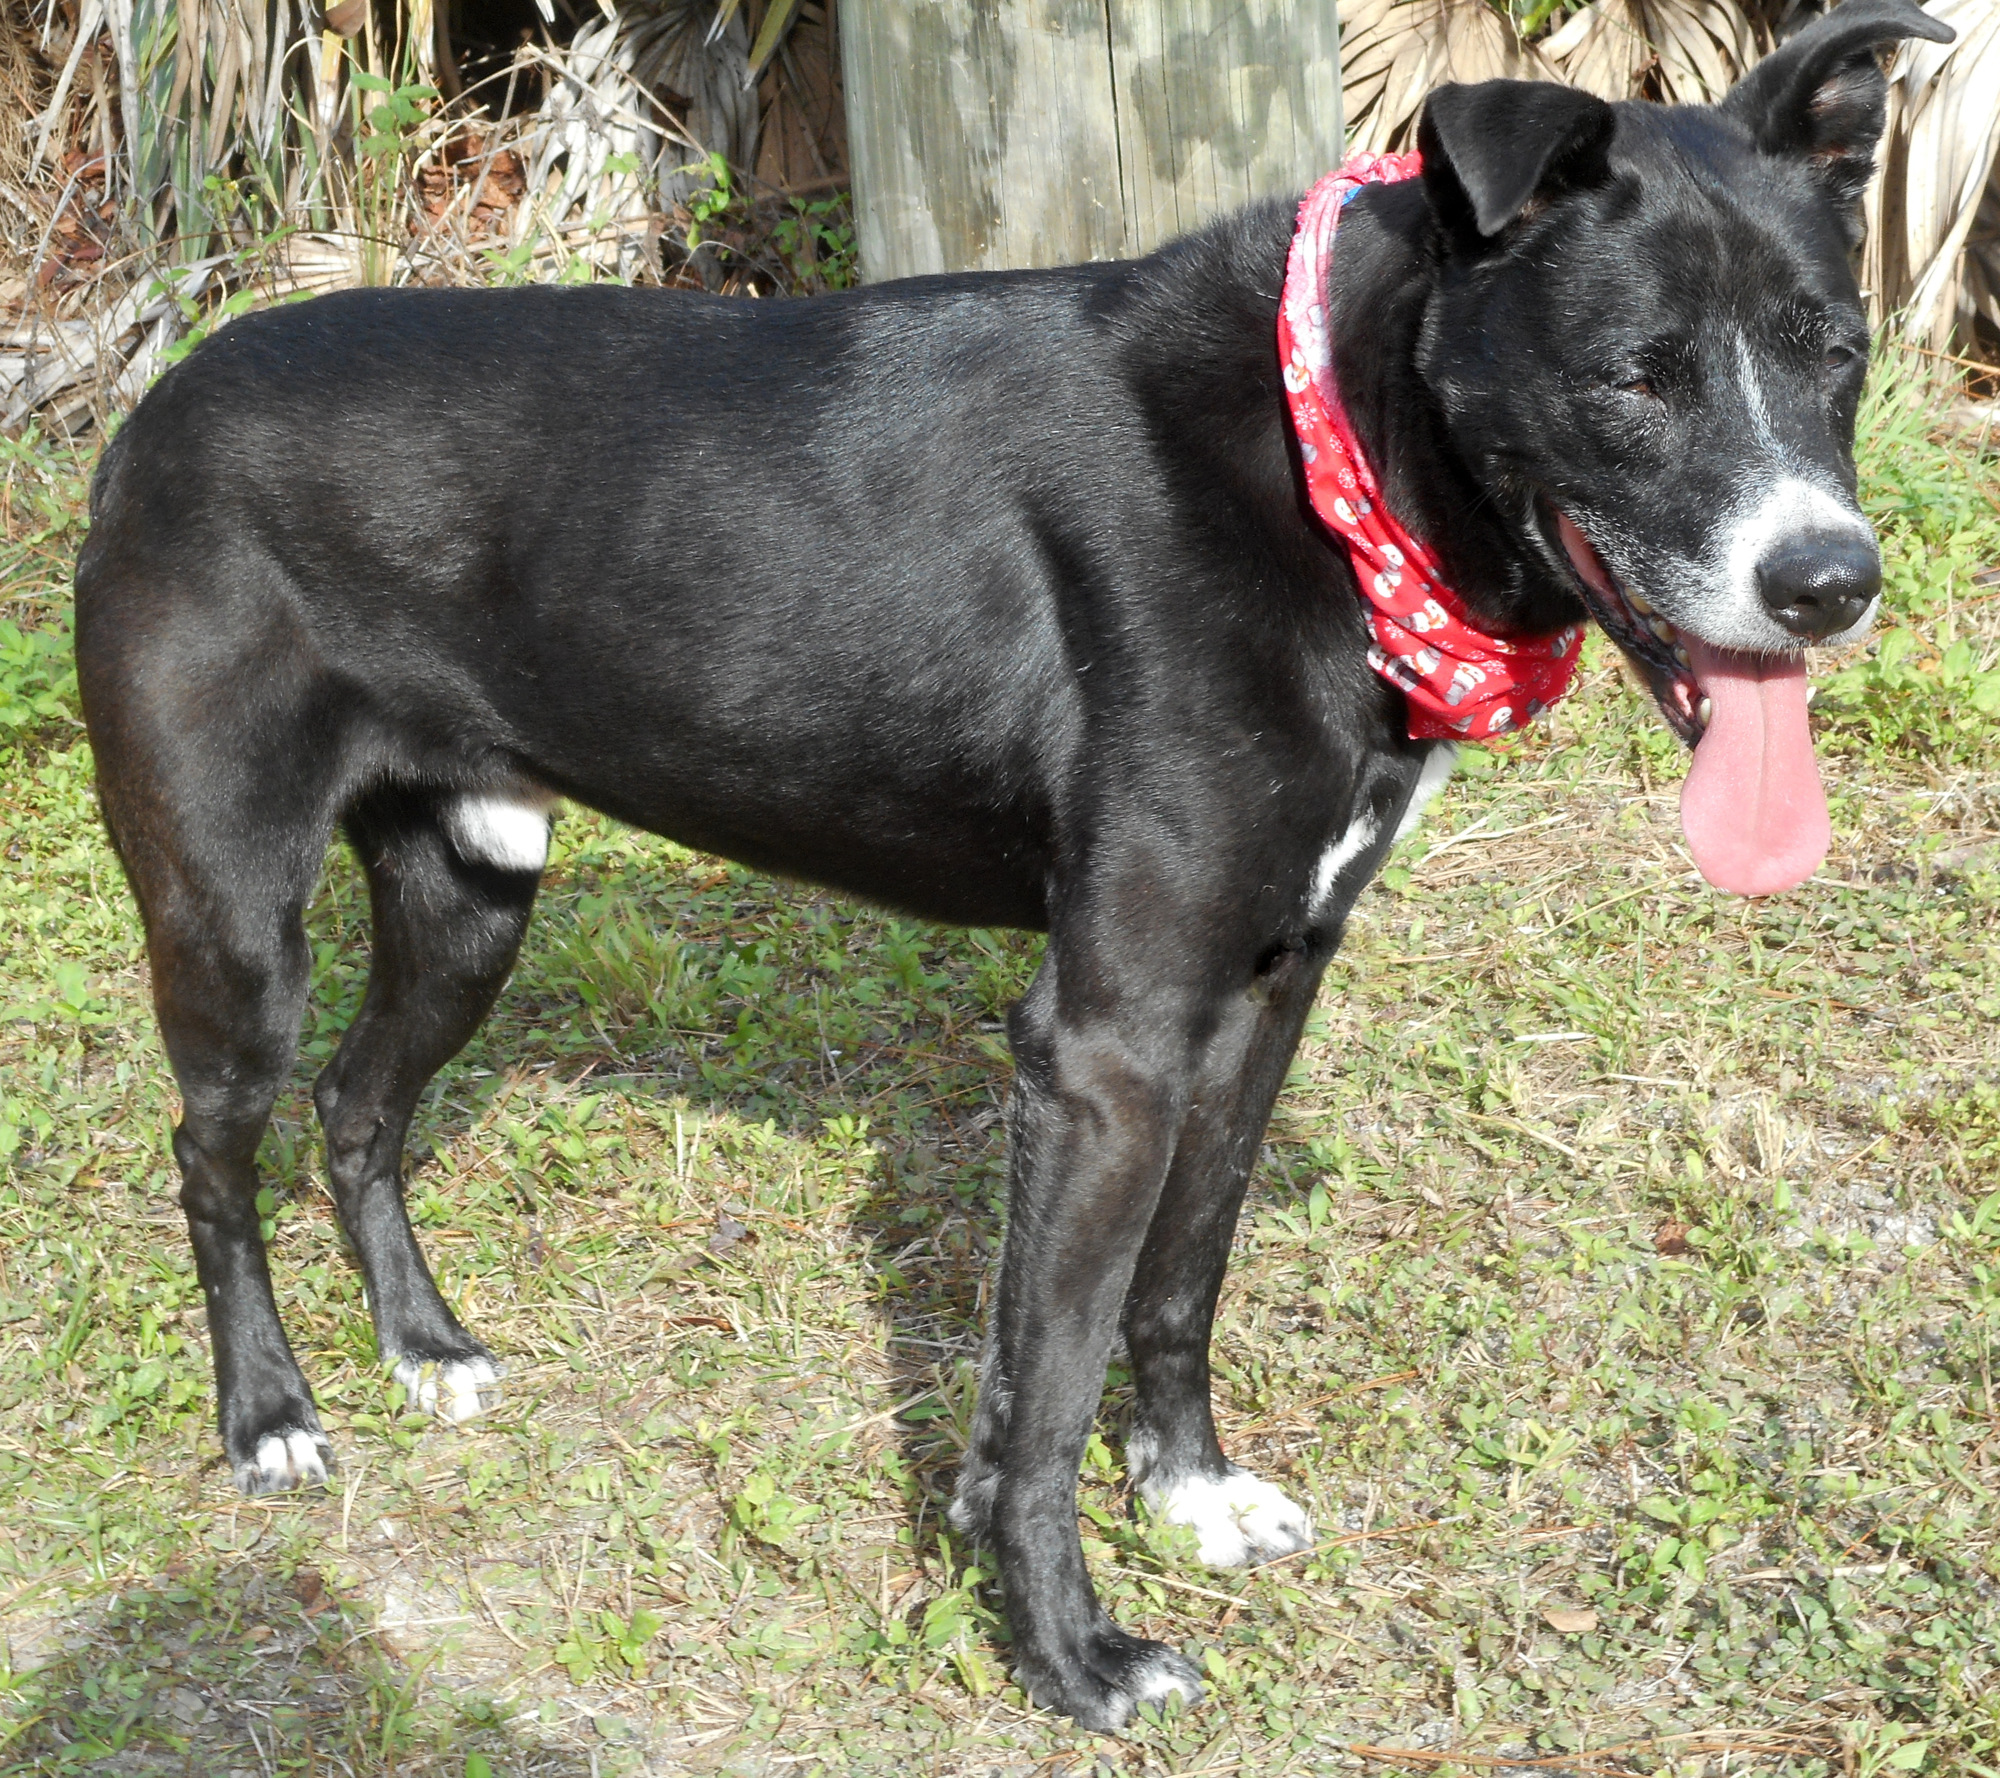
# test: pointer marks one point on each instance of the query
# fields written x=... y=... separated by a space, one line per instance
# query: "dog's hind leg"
x=1172 y=1453
x=219 y=799
x=451 y=883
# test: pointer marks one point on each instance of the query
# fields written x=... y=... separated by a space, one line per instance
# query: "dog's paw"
x=290 y=1457
x=454 y=1389
x=1238 y=1519
x=1105 y=1679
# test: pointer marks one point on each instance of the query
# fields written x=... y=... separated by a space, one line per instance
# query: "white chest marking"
x=1360 y=835
x=1437 y=771
x=499 y=831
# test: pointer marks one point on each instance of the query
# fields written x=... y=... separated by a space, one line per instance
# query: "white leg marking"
x=1142 y=1451
x=500 y=831
x=1360 y=835
x=284 y=1460
x=457 y=1391
x=1239 y=1519
x=1437 y=770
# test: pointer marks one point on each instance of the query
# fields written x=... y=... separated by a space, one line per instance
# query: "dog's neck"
x=1384 y=271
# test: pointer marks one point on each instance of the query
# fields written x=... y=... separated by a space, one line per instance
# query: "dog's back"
x=437 y=495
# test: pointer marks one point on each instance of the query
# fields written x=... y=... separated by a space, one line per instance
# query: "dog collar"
x=1462 y=682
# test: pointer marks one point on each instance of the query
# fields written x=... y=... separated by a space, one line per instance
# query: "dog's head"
x=1648 y=346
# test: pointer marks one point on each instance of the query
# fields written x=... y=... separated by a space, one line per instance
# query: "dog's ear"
x=1489 y=150
x=1821 y=97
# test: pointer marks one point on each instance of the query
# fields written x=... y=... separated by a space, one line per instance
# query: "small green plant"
x=710 y=203
x=200 y=318
x=387 y=133
x=1910 y=692
x=37 y=679
x=816 y=239
x=608 y=1639
x=768 y=1511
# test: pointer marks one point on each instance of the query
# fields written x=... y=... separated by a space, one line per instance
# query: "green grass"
x=1621 y=1288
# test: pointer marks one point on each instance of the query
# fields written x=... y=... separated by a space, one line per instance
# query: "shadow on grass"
x=685 y=986
x=749 y=1001
x=232 y=1667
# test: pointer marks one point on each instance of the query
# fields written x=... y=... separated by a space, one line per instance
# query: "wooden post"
x=993 y=133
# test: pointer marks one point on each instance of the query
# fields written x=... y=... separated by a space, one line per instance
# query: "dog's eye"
x=1840 y=358
x=1641 y=386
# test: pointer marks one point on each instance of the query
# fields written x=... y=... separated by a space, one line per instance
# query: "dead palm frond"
x=636 y=104
x=202 y=92
x=1683 y=51
x=283 y=145
x=1393 y=52
x=235 y=106
x=1687 y=52
x=1933 y=252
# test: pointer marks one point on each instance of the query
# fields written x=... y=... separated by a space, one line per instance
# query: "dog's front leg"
x=1173 y=1455
x=1098 y=1098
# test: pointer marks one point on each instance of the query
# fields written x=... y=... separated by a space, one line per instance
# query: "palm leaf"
x=1936 y=175
x=1393 y=52
x=778 y=17
x=1602 y=48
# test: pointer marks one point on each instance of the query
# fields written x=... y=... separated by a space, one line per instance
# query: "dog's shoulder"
x=1205 y=303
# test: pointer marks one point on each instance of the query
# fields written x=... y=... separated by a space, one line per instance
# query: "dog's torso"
x=723 y=605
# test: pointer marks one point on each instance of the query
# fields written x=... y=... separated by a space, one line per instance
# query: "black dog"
x=1018 y=617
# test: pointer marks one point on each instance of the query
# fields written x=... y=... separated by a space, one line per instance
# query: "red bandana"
x=1462 y=684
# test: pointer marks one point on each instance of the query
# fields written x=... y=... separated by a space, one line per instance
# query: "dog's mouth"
x=1752 y=809
x=1653 y=645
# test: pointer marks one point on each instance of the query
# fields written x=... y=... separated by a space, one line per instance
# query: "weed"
x=712 y=202
x=815 y=238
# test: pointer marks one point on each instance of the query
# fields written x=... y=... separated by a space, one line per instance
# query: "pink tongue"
x=1752 y=807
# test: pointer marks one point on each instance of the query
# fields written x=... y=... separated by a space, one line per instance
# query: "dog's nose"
x=1820 y=583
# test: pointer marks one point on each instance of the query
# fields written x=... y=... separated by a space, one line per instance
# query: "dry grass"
x=626 y=149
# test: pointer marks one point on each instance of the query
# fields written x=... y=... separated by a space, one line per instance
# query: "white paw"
x=1165 y=1676
x=458 y=1390
x=971 y=1509
x=1238 y=1519
x=286 y=1460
